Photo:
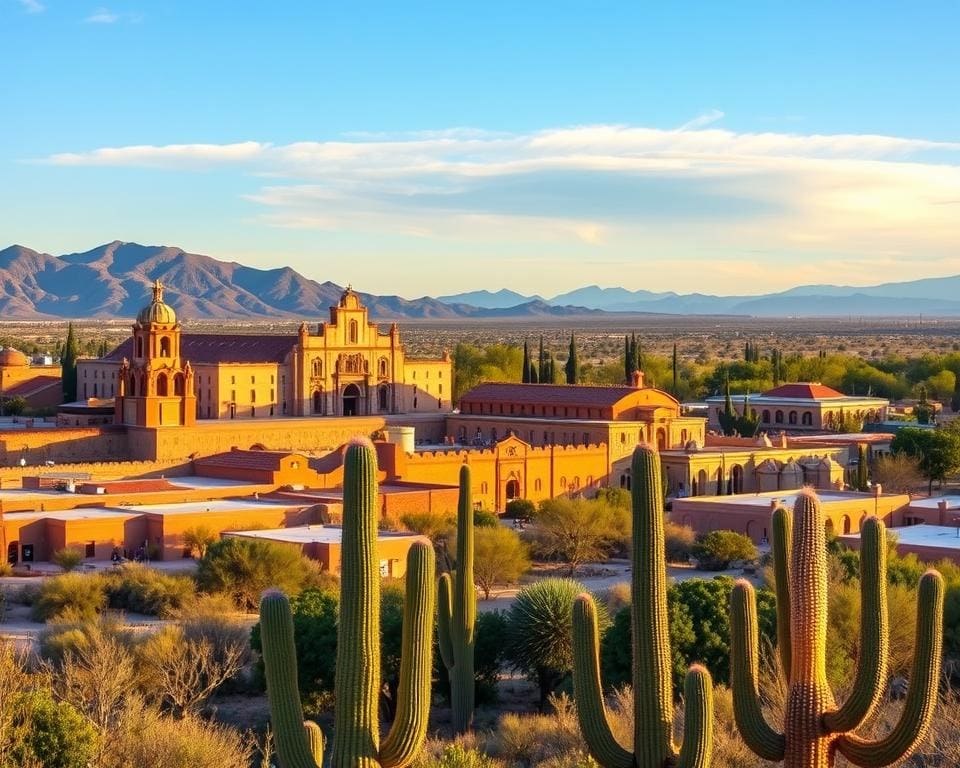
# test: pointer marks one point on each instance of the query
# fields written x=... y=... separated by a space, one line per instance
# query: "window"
x=253 y=395
x=317 y=367
x=253 y=379
x=165 y=347
x=233 y=379
x=766 y=417
x=778 y=417
x=807 y=419
x=353 y=331
x=792 y=418
x=91 y=549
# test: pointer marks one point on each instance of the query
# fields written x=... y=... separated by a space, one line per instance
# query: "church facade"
x=162 y=376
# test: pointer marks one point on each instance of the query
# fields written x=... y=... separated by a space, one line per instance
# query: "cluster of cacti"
x=457 y=598
x=815 y=728
x=356 y=741
x=653 y=744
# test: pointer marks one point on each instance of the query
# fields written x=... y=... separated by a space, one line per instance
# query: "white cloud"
x=769 y=206
x=103 y=16
x=701 y=121
x=32 y=6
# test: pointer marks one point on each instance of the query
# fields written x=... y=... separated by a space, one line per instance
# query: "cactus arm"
x=744 y=671
x=444 y=617
x=315 y=740
x=280 y=664
x=871 y=675
x=697 y=746
x=782 y=525
x=409 y=728
x=921 y=701
x=356 y=725
x=588 y=692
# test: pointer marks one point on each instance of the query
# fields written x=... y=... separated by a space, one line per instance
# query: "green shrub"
x=57 y=735
x=140 y=589
x=457 y=756
x=717 y=549
x=488 y=658
x=67 y=558
x=500 y=557
x=484 y=518
x=244 y=568
x=520 y=508
x=71 y=597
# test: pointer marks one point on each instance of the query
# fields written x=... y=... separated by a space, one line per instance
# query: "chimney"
x=637 y=382
x=942 y=508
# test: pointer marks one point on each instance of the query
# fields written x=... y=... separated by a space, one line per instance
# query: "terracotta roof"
x=262 y=460
x=547 y=394
x=30 y=386
x=209 y=348
x=146 y=485
x=804 y=391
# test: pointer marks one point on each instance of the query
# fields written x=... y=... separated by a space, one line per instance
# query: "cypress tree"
x=534 y=374
x=862 y=460
x=525 y=375
x=552 y=375
x=627 y=360
x=541 y=361
x=955 y=400
x=68 y=366
x=638 y=355
x=675 y=368
x=572 y=368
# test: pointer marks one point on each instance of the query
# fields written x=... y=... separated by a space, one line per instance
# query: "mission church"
x=161 y=376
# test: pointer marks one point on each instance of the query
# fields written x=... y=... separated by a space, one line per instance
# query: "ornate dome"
x=157 y=311
x=13 y=358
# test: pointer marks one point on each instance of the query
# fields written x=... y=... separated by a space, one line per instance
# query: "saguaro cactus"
x=815 y=728
x=356 y=741
x=653 y=745
x=457 y=598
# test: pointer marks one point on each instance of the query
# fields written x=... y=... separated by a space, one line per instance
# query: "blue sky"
x=428 y=148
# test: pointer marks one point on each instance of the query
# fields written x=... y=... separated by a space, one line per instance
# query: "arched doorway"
x=513 y=489
x=351 y=400
x=383 y=398
x=13 y=552
x=317 y=401
x=737 y=477
x=661 y=439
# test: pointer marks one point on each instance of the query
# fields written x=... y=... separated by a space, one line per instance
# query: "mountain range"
x=113 y=281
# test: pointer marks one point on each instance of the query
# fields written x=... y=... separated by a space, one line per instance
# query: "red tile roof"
x=31 y=386
x=804 y=391
x=209 y=348
x=547 y=394
x=257 y=460
x=147 y=485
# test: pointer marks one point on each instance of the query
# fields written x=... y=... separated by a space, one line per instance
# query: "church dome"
x=157 y=311
x=13 y=358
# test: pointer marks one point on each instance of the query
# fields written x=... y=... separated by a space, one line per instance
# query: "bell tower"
x=156 y=385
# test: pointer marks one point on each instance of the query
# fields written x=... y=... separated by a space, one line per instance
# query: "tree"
x=731 y=422
x=897 y=472
x=955 y=399
x=14 y=406
x=575 y=531
x=572 y=367
x=198 y=539
x=540 y=631
x=68 y=558
x=244 y=568
x=717 y=549
x=525 y=373
x=57 y=735
x=862 y=462
x=542 y=365
x=922 y=410
x=499 y=557
x=68 y=366
x=937 y=451
x=675 y=369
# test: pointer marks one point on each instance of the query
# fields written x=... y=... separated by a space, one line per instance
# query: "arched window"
x=161 y=385
x=383 y=398
x=178 y=387
x=353 y=331
x=382 y=368
x=133 y=386
x=537 y=484
x=139 y=346
x=806 y=419
x=792 y=417
x=317 y=367
x=766 y=417
x=164 y=346
x=318 y=401
x=778 y=417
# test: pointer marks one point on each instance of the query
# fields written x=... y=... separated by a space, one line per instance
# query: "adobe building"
x=161 y=376
x=39 y=385
x=749 y=514
x=801 y=407
x=325 y=542
x=930 y=543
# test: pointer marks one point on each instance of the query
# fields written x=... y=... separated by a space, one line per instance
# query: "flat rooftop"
x=940 y=536
x=314 y=534
x=213 y=507
x=787 y=498
x=933 y=502
x=83 y=513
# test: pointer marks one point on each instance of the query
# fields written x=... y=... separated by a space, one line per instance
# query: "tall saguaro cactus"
x=457 y=598
x=356 y=741
x=653 y=745
x=815 y=728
